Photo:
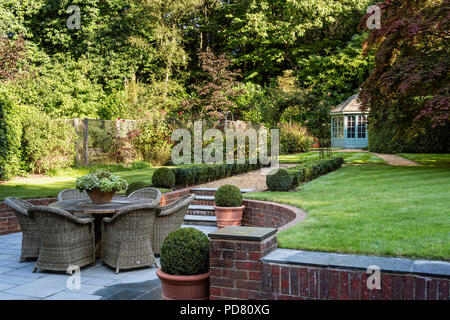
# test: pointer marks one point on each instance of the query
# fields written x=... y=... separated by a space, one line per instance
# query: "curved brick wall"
x=271 y=215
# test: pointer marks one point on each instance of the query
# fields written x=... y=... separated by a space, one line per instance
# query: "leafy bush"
x=384 y=139
x=185 y=251
x=101 y=179
x=10 y=138
x=163 y=178
x=152 y=139
x=48 y=144
x=294 y=139
x=140 y=165
x=280 y=181
x=228 y=196
x=132 y=187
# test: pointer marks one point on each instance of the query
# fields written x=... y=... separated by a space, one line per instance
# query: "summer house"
x=349 y=125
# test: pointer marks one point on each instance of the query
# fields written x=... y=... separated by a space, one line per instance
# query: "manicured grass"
x=43 y=187
x=349 y=157
x=428 y=159
x=381 y=210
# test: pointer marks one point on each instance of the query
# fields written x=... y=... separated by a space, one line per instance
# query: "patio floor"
x=99 y=282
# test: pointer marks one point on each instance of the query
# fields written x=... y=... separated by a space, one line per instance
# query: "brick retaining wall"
x=270 y=215
x=314 y=283
x=239 y=271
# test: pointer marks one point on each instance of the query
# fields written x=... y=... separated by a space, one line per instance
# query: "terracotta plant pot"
x=98 y=196
x=228 y=216
x=195 y=287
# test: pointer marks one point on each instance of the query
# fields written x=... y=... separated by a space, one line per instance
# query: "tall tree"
x=409 y=88
x=266 y=37
x=166 y=22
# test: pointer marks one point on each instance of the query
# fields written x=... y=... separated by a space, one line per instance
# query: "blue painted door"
x=355 y=131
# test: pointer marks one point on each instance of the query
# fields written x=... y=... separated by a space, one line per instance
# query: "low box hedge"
x=313 y=169
x=202 y=173
x=306 y=171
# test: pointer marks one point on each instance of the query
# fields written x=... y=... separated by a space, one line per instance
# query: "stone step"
x=200 y=207
x=204 y=198
x=205 y=229
x=196 y=220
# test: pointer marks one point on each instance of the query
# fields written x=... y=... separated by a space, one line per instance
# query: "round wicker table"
x=98 y=211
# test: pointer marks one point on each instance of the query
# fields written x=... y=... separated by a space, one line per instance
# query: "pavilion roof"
x=351 y=105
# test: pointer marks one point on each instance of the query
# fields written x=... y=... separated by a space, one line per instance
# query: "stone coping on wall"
x=352 y=261
x=243 y=233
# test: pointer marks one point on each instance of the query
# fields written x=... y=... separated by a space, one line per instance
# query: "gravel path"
x=249 y=180
x=394 y=160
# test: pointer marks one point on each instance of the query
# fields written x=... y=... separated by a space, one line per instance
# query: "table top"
x=87 y=207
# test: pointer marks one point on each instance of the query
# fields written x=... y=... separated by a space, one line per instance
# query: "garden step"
x=204 y=198
x=200 y=207
x=195 y=220
x=205 y=229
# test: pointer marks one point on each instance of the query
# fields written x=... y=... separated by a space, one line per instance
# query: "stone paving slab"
x=7 y=296
x=18 y=282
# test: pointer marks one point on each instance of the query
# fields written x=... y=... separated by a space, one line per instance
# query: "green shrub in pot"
x=228 y=196
x=185 y=251
x=102 y=180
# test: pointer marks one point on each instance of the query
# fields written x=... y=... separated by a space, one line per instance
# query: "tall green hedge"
x=383 y=139
x=10 y=139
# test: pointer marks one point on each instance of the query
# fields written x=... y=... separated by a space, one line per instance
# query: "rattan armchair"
x=65 y=239
x=31 y=240
x=72 y=194
x=127 y=236
x=150 y=193
x=170 y=218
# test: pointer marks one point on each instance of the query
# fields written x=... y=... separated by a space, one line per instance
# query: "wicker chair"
x=72 y=194
x=170 y=218
x=127 y=236
x=150 y=193
x=31 y=241
x=65 y=239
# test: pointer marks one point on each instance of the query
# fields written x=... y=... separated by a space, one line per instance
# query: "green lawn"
x=372 y=209
x=349 y=157
x=42 y=187
x=428 y=159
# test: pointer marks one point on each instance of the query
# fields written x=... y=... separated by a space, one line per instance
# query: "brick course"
x=237 y=272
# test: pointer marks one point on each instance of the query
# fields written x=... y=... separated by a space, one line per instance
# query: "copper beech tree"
x=410 y=80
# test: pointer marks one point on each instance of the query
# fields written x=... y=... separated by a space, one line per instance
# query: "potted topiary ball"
x=228 y=206
x=101 y=186
x=184 y=265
